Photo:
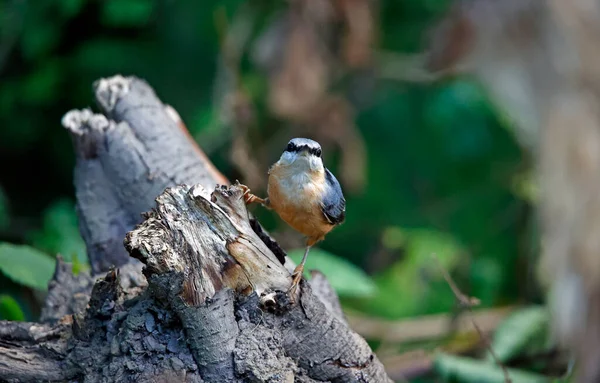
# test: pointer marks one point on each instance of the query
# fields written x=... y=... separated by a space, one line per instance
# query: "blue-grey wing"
x=334 y=203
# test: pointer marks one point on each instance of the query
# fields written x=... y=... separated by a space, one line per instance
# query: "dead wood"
x=210 y=303
x=125 y=158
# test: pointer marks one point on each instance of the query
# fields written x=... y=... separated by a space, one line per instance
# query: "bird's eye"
x=318 y=152
x=290 y=147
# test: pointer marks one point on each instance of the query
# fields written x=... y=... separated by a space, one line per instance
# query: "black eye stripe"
x=295 y=148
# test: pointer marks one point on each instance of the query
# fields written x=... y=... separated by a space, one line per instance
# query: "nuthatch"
x=305 y=194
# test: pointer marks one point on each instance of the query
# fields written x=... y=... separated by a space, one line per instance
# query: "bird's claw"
x=244 y=188
x=247 y=196
x=296 y=278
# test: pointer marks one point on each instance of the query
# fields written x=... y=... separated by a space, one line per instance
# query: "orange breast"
x=299 y=204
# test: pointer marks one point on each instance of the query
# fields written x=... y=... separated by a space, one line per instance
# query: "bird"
x=305 y=194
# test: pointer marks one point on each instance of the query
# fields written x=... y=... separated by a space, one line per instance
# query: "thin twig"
x=468 y=303
x=425 y=327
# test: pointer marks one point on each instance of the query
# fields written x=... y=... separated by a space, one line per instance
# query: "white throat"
x=297 y=163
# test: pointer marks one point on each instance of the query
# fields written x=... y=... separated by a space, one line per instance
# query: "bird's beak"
x=304 y=152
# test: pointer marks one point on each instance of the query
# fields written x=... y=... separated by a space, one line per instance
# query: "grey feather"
x=334 y=203
x=299 y=142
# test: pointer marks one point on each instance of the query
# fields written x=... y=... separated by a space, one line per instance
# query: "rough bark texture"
x=125 y=159
x=210 y=304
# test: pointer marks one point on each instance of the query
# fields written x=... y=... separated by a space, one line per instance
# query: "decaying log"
x=125 y=158
x=215 y=309
x=209 y=305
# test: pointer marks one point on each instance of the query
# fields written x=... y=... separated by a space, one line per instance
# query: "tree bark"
x=210 y=303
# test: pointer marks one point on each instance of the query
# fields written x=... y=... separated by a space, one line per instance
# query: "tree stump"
x=198 y=292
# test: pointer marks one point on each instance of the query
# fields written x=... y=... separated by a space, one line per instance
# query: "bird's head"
x=302 y=154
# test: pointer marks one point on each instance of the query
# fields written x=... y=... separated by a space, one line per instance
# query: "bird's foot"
x=249 y=197
x=296 y=278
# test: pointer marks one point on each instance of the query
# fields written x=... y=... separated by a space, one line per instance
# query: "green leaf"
x=26 y=265
x=524 y=329
x=10 y=309
x=127 y=12
x=347 y=279
x=60 y=232
x=466 y=370
x=414 y=285
x=78 y=266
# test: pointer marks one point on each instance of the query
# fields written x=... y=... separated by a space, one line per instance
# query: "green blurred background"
x=429 y=168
